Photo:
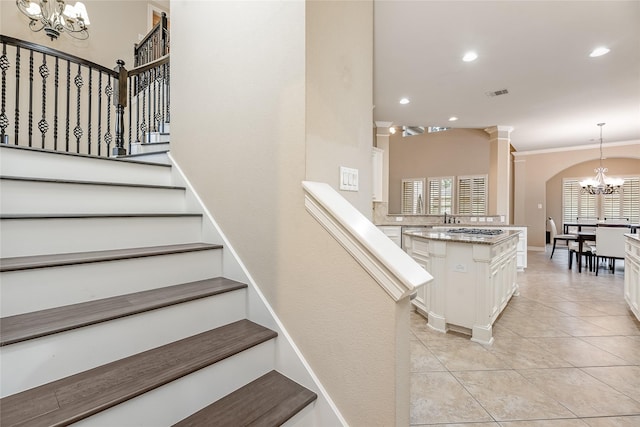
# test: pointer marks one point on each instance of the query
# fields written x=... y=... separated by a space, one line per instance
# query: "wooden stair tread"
x=56 y=260
x=36 y=324
x=79 y=182
x=81 y=395
x=270 y=400
x=98 y=215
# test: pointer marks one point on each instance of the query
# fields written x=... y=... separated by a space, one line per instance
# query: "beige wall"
x=534 y=169
x=454 y=152
x=114 y=29
x=264 y=96
x=337 y=69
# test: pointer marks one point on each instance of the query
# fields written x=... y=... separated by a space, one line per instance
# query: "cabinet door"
x=377 y=156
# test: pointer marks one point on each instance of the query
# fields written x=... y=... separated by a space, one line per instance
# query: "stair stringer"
x=289 y=359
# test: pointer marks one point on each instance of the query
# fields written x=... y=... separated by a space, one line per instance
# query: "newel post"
x=120 y=101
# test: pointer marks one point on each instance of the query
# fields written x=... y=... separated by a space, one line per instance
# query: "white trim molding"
x=394 y=270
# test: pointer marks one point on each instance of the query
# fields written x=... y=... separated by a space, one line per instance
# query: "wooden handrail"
x=57 y=53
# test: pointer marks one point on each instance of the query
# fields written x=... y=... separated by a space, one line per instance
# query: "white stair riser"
x=154 y=137
x=35 y=362
x=160 y=157
x=140 y=148
x=177 y=400
x=22 y=237
x=305 y=418
x=34 y=164
x=38 y=289
x=37 y=197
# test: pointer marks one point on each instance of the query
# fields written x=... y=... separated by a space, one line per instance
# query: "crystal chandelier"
x=602 y=184
x=55 y=17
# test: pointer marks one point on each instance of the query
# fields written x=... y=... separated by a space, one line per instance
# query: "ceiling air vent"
x=497 y=92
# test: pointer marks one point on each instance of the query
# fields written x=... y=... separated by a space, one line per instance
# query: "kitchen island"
x=632 y=273
x=474 y=273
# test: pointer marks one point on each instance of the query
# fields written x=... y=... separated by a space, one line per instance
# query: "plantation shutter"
x=440 y=195
x=434 y=196
x=611 y=206
x=412 y=196
x=570 y=200
x=472 y=195
x=631 y=199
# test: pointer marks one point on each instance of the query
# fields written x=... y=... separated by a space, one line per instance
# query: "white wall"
x=264 y=96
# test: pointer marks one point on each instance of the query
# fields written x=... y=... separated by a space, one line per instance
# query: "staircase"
x=116 y=309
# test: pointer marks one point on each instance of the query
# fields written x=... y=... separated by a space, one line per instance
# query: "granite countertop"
x=634 y=236
x=457 y=224
x=463 y=237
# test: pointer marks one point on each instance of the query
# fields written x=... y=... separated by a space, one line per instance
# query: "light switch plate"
x=348 y=179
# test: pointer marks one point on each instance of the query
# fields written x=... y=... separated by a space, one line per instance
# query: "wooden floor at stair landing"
x=566 y=354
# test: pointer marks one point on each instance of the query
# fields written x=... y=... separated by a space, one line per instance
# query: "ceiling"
x=537 y=50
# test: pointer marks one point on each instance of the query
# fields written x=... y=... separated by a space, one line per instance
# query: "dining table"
x=578 y=226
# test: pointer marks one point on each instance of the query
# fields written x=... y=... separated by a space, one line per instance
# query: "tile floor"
x=566 y=353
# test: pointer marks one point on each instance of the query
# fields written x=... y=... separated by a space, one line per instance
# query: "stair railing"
x=154 y=45
x=76 y=105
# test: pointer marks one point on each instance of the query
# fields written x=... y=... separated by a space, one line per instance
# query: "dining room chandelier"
x=601 y=184
x=56 y=17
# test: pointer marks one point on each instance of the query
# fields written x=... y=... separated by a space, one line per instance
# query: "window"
x=412 y=196
x=575 y=203
x=625 y=204
x=440 y=195
x=631 y=199
x=472 y=195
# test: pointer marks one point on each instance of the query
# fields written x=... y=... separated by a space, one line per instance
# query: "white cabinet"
x=378 y=162
x=632 y=273
x=394 y=232
x=472 y=281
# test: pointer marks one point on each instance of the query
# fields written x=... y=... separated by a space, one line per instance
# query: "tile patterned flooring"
x=566 y=354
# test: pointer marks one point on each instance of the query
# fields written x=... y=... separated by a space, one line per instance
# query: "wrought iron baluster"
x=67 y=125
x=149 y=118
x=168 y=89
x=108 y=90
x=30 y=98
x=164 y=95
x=143 y=126
x=4 y=121
x=130 y=83
x=43 y=126
x=55 y=108
x=158 y=83
x=89 y=111
x=100 y=112
x=137 y=83
x=17 y=112
x=77 y=131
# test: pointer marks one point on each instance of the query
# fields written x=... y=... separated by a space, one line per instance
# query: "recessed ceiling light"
x=404 y=101
x=599 y=51
x=470 y=56
x=453 y=118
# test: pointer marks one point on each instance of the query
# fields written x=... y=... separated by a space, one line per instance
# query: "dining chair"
x=562 y=237
x=587 y=220
x=610 y=245
x=587 y=253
